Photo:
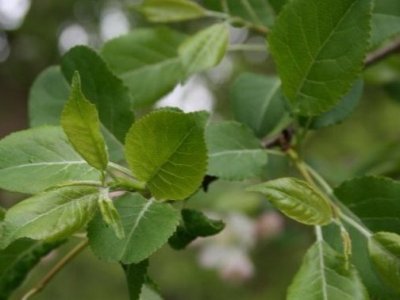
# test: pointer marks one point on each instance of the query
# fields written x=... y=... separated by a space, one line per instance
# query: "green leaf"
x=340 y=112
x=135 y=276
x=257 y=101
x=47 y=97
x=2 y=213
x=385 y=21
x=324 y=275
x=102 y=87
x=297 y=199
x=51 y=215
x=81 y=124
x=234 y=152
x=110 y=214
x=384 y=249
x=148 y=225
x=18 y=260
x=147 y=62
x=205 y=49
x=171 y=10
x=195 y=224
x=319 y=49
x=375 y=200
x=149 y=294
x=36 y=159
x=166 y=149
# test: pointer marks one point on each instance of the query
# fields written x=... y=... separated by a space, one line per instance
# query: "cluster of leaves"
x=90 y=167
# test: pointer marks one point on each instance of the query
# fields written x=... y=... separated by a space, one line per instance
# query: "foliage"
x=97 y=161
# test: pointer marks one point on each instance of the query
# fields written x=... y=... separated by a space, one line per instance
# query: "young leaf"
x=110 y=214
x=336 y=115
x=205 y=49
x=171 y=10
x=384 y=250
x=148 y=225
x=374 y=200
x=319 y=48
x=35 y=159
x=296 y=199
x=135 y=276
x=234 y=152
x=47 y=97
x=18 y=260
x=147 y=62
x=102 y=87
x=51 y=215
x=195 y=224
x=81 y=124
x=166 y=149
x=257 y=101
x=323 y=275
x=385 y=21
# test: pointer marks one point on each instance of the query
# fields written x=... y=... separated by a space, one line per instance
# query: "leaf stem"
x=318 y=233
x=274 y=152
x=247 y=47
x=54 y=271
x=382 y=53
x=364 y=231
x=133 y=182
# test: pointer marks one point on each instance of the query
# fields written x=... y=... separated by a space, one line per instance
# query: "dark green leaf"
x=81 y=124
x=297 y=199
x=35 y=159
x=195 y=224
x=147 y=61
x=18 y=260
x=205 y=49
x=324 y=275
x=51 y=215
x=47 y=97
x=375 y=200
x=384 y=249
x=234 y=152
x=135 y=276
x=257 y=101
x=340 y=112
x=148 y=225
x=166 y=149
x=171 y=10
x=102 y=87
x=319 y=49
x=385 y=21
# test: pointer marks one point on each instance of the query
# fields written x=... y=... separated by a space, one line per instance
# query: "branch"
x=382 y=53
x=54 y=271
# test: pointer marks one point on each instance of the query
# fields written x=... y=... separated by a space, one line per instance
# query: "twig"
x=382 y=53
x=54 y=271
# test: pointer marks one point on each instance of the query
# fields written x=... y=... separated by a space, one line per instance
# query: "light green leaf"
x=375 y=200
x=135 y=276
x=47 y=97
x=35 y=159
x=319 y=49
x=384 y=250
x=323 y=275
x=257 y=101
x=51 y=215
x=171 y=10
x=166 y=149
x=18 y=260
x=149 y=294
x=148 y=225
x=81 y=124
x=147 y=62
x=297 y=199
x=385 y=21
x=110 y=214
x=205 y=49
x=340 y=112
x=102 y=87
x=234 y=152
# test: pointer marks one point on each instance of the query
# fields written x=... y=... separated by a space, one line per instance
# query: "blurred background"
x=260 y=251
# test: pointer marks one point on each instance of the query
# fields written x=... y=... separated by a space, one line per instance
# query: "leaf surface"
x=319 y=49
x=385 y=21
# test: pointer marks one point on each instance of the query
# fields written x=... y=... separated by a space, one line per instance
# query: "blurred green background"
x=260 y=251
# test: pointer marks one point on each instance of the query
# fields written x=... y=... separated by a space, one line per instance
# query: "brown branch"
x=382 y=53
